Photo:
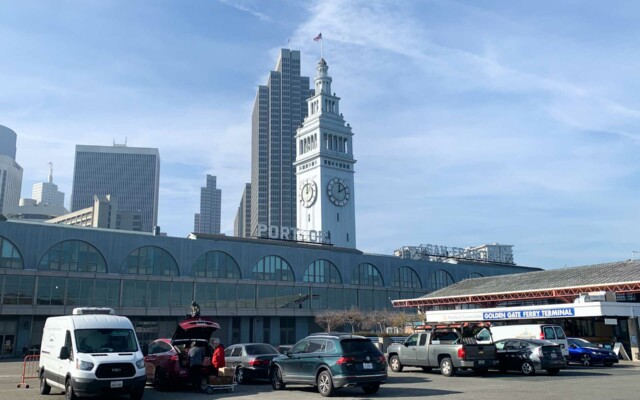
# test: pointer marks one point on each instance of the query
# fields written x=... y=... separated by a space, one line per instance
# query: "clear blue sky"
x=475 y=122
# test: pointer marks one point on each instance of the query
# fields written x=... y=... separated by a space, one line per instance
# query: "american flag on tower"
x=319 y=37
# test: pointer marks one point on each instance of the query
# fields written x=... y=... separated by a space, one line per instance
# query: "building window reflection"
x=273 y=268
x=18 y=290
x=322 y=271
x=9 y=255
x=73 y=255
x=216 y=264
x=150 y=260
x=367 y=275
x=406 y=277
x=440 y=279
x=475 y=275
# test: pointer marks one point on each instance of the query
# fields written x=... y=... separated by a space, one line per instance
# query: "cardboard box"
x=226 y=371
x=220 y=380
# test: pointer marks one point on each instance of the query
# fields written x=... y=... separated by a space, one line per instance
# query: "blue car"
x=586 y=353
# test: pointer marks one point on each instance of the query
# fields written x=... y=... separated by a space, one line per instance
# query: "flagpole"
x=321 y=55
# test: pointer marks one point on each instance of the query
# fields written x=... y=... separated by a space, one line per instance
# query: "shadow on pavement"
x=384 y=393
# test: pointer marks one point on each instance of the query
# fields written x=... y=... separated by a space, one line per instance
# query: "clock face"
x=308 y=193
x=338 y=191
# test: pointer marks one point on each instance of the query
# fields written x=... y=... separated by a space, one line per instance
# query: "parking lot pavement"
x=621 y=382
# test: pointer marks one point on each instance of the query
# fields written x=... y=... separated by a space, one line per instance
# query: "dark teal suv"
x=331 y=361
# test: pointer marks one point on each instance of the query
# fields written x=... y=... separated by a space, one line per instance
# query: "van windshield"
x=106 y=341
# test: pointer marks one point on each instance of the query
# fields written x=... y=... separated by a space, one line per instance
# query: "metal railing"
x=30 y=367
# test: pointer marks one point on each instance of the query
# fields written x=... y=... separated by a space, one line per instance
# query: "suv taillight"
x=345 y=360
x=382 y=359
x=462 y=353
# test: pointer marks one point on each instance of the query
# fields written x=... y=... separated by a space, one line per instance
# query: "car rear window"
x=256 y=349
x=549 y=334
x=560 y=333
x=358 y=346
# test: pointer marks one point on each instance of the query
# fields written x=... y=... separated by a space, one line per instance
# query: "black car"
x=331 y=361
x=529 y=356
x=250 y=360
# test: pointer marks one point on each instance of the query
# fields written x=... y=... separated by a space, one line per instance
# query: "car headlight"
x=84 y=365
x=140 y=363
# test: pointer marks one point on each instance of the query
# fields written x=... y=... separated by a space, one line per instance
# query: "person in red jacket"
x=218 y=356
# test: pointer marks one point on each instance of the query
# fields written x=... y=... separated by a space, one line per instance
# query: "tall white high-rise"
x=10 y=170
x=132 y=174
x=324 y=167
x=47 y=192
x=208 y=220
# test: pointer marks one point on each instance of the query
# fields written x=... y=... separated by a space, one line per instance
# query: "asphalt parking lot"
x=619 y=382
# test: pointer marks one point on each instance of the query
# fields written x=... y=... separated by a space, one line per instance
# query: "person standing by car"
x=196 y=358
x=218 y=356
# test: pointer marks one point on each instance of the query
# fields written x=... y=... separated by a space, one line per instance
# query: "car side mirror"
x=64 y=353
x=572 y=346
x=287 y=353
x=406 y=344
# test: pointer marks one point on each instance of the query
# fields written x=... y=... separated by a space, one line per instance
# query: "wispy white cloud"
x=247 y=8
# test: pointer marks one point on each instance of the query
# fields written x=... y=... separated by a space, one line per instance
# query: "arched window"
x=322 y=271
x=406 y=277
x=272 y=268
x=366 y=274
x=440 y=279
x=475 y=275
x=9 y=255
x=216 y=264
x=73 y=255
x=150 y=260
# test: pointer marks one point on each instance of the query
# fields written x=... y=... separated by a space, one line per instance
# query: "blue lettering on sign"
x=524 y=314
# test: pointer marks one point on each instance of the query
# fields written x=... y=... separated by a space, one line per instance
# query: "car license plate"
x=367 y=365
x=480 y=362
x=116 y=384
x=553 y=355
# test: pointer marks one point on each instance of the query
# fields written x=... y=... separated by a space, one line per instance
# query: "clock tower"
x=324 y=167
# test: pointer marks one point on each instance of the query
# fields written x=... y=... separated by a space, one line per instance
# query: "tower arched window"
x=216 y=264
x=366 y=274
x=322 y=271
x=150 y=260
x=73 y=255
x=272 y=268
x=440 y=279
x=406 y=277
x=10 y=257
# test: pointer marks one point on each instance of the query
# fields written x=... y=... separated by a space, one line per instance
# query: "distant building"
x=47 y=192
x=132 y=174
x=279 y=109
x=242 y=222
x=30 y=209
x=103 y=214
x=10 y=170
x=208 y=220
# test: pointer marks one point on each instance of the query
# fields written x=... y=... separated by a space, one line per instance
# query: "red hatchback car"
x=167 y=360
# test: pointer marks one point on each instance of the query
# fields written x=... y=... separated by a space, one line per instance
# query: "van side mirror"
x=145 y=349
x=64 y=353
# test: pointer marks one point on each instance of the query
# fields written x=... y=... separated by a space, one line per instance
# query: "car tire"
x=325 y=384
x=427 y=369
x=69 y=394
x=395 y=364
x=585 y=360
x=553 y=371
x=240 y=376
x=527 y=368
x=446 y=367
x=44 y=387
x=371 y=389
x=159 y=381
x=275 y=376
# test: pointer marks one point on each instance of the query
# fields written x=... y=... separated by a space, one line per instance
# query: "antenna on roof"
x=50 y=164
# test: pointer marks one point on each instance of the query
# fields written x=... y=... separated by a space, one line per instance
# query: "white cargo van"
x=89 y=353
x=552 y=333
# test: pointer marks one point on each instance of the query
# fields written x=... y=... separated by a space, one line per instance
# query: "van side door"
x=65 y=365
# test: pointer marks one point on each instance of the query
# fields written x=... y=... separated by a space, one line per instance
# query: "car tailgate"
x=480 y=351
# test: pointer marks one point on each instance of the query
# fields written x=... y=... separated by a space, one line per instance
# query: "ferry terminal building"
x=258 y=290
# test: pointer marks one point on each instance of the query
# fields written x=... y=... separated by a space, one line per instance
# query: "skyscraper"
x=279 y=109
x=10 y=170
x=130 y=173
x=47 y=192
x=208 y=220
x=242 y=222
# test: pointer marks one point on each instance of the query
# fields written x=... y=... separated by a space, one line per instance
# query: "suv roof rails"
x=337 y=334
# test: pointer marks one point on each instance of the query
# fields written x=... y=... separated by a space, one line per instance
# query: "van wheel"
x=69 y=394
x=44 y=388
x=446 y=367
x=395 y=364
x=527 y=368
x=325 y=384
